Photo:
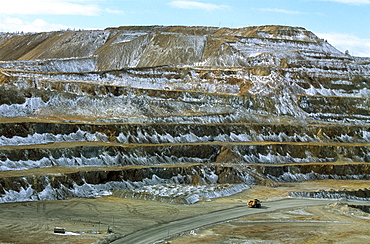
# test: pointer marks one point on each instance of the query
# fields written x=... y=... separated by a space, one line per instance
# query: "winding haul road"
x=160 y=232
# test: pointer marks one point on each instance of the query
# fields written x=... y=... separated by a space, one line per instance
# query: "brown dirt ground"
x=303 y=225
x=33 y=222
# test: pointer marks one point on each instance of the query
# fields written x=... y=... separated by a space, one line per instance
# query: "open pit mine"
x=179 y=114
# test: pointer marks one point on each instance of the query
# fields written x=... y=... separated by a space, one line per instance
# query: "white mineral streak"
x=104 y=159
x=294 y=177
x=28 y=108
x=46 y=138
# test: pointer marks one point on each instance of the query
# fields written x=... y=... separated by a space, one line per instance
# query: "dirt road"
x=162 y=231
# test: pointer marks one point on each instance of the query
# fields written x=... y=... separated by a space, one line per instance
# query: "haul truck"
x=254 y=203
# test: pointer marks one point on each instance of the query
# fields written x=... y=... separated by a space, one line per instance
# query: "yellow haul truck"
x=254 y=203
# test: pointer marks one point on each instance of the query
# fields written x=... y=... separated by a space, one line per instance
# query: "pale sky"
x=344 y=23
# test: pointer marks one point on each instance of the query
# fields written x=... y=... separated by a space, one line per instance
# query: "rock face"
x=188 y=97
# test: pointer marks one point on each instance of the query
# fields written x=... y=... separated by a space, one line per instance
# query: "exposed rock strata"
x=363 y=208
x=361 y=194
x=278 y=99
x=96 y=182
x=305 y=172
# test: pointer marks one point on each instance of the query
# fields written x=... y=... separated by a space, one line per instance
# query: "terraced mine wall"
x=95 y=182
x=196 y=112
x=363 y=208
x=359 y=195
x=306 y=172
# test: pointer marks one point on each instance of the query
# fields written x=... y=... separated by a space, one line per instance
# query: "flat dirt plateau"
x=87 y=220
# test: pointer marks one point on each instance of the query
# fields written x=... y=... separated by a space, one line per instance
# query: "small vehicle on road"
x=254 y=203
